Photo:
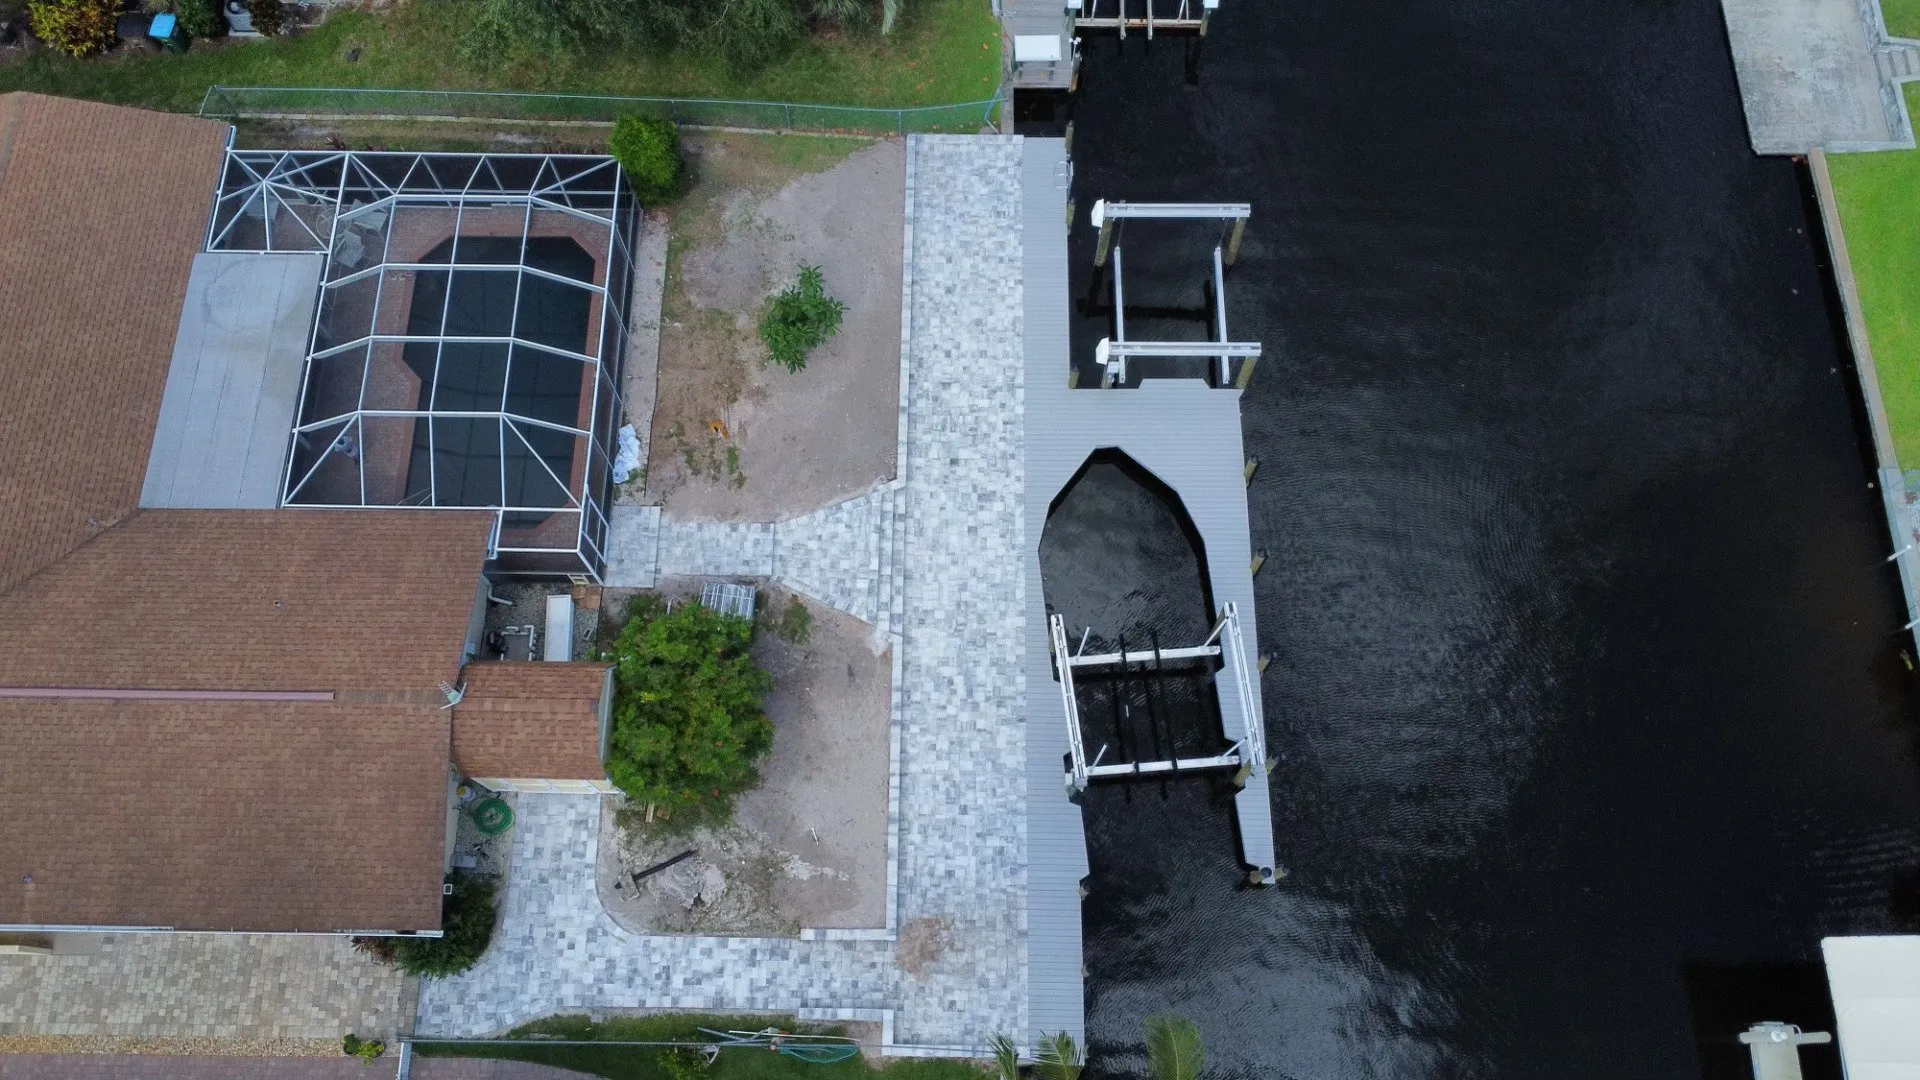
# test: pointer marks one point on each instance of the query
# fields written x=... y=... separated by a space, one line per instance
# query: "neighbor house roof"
x=536 y=721
x=153 y=784
x=102 y=209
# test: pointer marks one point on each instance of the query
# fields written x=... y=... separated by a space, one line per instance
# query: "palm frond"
x=1174 y=1048
x=1058 y=1058
x=1006 y=1057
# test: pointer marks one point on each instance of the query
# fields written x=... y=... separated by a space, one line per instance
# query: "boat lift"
x=1117 y=17
x=1243 y=757
x=1112 y=353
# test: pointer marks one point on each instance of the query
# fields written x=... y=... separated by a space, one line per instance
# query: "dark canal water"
x=1583 y=674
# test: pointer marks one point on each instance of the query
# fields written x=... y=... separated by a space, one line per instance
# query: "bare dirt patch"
x=808 y=848
x=734 y=437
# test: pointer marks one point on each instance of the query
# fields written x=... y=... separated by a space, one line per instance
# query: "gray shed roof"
x=235 y=382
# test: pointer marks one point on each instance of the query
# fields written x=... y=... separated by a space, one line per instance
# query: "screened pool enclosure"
x=467 y=347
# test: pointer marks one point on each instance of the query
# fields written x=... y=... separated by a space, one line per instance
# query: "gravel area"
x=734 y=437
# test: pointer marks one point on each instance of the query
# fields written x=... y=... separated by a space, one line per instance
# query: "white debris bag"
x=627 y=459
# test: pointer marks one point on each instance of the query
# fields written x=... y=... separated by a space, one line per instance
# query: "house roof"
x=534 y=721
x=101 y=211
x=209 y=719
x=223 y=815
x=343 y=600
x=241 y=813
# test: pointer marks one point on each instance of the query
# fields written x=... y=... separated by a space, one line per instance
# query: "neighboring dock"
x=1041 y=53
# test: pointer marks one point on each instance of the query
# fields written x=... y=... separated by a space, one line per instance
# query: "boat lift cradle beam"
x=1088 y=17
x=1244 y=756
x=1112 y=353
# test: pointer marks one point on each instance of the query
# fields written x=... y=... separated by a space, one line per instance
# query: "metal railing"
x=292 y=103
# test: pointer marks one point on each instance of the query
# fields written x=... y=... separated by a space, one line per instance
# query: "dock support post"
x=1259 y=560
x=1106 y=234
x=1246 y=373
x=1233 y=242
x=1073 y=378
x=1252 y=464
x=1264 y=661
x=1205 y=17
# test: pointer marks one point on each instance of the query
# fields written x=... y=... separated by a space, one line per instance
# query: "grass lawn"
x=643 y=1063
x=1879 y=197
x=943 y=52
x=1903 y=17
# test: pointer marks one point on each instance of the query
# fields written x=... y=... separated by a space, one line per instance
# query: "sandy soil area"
x=808 y=848
x=735 y=438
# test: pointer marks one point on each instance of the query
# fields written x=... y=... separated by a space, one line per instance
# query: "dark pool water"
x=1583 y=667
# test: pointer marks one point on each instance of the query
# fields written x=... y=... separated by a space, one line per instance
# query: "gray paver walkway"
x=947 y=545
x=840 y=555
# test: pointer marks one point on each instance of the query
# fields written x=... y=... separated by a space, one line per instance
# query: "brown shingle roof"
x=532 y=721
x=222 y=815
x=242 y=815
x=101 y=212
x=365 y=600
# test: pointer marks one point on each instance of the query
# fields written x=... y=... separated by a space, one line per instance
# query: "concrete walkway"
x=954 y=593
x=1820 y=73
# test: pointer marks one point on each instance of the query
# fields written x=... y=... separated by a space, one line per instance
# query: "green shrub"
x=202 y=18
x=269 y=16
x=750 y=34
x=682 y=1063
x=648 y=148
x=796 y=623
x=74 y=27
x=799 y=319
x=365 y=1049
x=466 y=928
x=687 y=721
x=846 y=14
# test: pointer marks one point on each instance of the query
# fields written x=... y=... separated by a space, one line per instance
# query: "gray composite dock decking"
x=1188 y=435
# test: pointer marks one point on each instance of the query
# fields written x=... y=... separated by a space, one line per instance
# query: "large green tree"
x=688 y=726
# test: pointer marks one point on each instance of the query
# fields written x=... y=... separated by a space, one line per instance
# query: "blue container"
x=166 y=30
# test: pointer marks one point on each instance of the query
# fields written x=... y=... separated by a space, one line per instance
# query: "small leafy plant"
x=202 y=18
x=682 y=1063
x=800 y=318
x=796 y=623
x=648 y=149
x=364 y=1049
x=74 y=27
x=269 y=16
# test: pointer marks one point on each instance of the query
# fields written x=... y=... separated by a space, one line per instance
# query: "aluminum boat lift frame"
x=1112 y=353
x=1183 y=21
x=1223 y=642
